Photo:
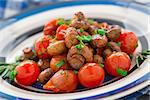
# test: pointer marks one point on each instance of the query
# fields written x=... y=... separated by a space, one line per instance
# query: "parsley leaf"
x=121 y=72
x=60 y=63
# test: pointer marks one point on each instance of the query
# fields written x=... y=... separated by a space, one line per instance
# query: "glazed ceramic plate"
x=22 y=30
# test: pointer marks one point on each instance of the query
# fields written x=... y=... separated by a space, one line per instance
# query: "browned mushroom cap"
x=56 y=48
x=107 y=52
x=79 y=56
x=71 y=39
x=114 y=32
x=28 y=53
x=98 y=59
x=44 y=64
x=84 y=33
x=99 y=51
x=92 y=29
x=45 y=75
x=99 y=41
x=79 y=21
x=76 y=61
x=78 y=16
x=90 y=48
x=114 y=46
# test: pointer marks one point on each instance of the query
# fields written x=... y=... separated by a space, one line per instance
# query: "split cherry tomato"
x=50 y=27
x=91 y=75
x=129 y=42
x=59 y=62
x=117 y=64
x=62 y=81
x=41 y=45
x=27 y=72
x=60 y=34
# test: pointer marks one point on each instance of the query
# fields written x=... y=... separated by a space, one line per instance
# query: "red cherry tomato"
x=50 y=27
x=60 y=34
x=62 y=27
x=129 y=42
x=27 y=72
x=115 y=61
x=62 y=81
x=91 y=75
x=41 y=45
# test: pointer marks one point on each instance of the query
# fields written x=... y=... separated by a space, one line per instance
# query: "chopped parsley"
x=119 y=44
x=81 y=30
x=101 y=65
x=60 y=63
x=121 y=72
x=101 y=32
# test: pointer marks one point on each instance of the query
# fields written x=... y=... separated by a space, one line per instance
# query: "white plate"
x=134 y=20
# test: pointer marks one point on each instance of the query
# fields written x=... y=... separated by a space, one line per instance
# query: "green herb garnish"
x=81 y=30
x=121 y=72
x=12 y=75
x=87 y=38
x=101 y=32
x=119 y=44
x=60 y=63
x=60 y=21
x=79 y=46
x=76 y=72
x=90 y=21
x=101 y=65
x=68 y=22
x=141 y=56
x=8 y=71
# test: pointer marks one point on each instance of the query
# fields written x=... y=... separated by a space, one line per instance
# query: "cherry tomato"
x=62 y=81
x=91 y=75
x=59 y=62
x=129 y=42
x=27 y=72
x=50 y=27
x=60 y=34
x=116 y=61
x=61 y=27
x=40 y=47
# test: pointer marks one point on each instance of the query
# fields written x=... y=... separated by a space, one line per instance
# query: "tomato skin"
x=40 y=47
x=91 y=75
x=62 y=81
x=117 y=60
x=61 y=27
x=57 y=59
x=27 y=72
x=60 y=34
x=129 y=42
x=50 y=27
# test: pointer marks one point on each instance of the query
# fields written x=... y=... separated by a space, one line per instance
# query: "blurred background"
x=10 y=8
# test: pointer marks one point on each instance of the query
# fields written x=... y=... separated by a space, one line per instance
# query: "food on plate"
x=117 y=64
x=129 y=42
x=75 y=52
x=59 y=62
x=62 y=81
x=27 y=72
x=45 y=75
x=91 y=75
